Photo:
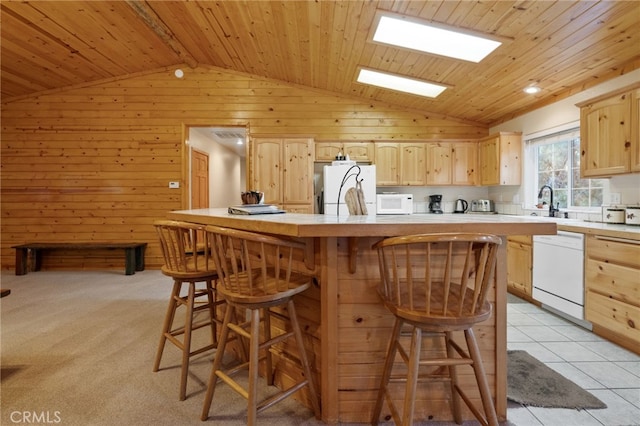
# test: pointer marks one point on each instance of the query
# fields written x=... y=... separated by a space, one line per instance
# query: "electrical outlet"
x=615 y=198
x=174 y=185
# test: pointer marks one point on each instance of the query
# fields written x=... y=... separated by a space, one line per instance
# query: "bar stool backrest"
x=443 y=276
x=183 y=248
x=256 y=266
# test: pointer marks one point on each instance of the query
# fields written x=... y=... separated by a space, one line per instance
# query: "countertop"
x=631 y=232
x=317 y=225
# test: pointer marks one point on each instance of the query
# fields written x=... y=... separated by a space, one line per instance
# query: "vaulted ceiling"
x=562 y=46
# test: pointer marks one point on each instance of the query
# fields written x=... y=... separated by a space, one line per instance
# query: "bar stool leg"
x=306 y=368
x=386 y=372
x=412 y=377
x=267 y=336
x=217 y=362
x=213 y=308
x=254 y=344
x=483 y=385
x=455 y=396
x=186 y=344
x=168 y=321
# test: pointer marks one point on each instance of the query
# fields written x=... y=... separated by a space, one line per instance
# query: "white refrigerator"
x=335 y=177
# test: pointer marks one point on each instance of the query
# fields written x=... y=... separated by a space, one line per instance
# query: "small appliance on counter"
x=435 y=204
x=461 y=206
x=613 y=214
x=482 y=206
x=632 y=215
x=394 y=203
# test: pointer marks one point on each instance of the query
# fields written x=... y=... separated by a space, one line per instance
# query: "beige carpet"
x=77 y=348
x=80 y=346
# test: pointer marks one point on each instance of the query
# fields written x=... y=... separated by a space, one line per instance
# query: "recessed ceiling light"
x=402 y=84
x=531 y=90
x=433 y=39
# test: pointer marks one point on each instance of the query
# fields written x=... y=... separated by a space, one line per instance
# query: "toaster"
x=482 y=206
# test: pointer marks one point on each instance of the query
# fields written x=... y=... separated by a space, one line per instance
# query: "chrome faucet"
x=552 y=210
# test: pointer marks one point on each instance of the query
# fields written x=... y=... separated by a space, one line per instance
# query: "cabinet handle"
x=617 y=240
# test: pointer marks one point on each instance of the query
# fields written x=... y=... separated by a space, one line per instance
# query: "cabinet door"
x=439 y=163
x=519 y=265
x=489 y=161
x=465 y=160
x=635 y=131
x=298 y=171
x=605 y=136
x=359 y=151
x=266 y=174
x=387 y=164
x=327 y=151
x=412 y=170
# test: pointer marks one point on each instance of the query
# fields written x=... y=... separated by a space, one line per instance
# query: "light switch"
x=615 y=198
x=174 y=185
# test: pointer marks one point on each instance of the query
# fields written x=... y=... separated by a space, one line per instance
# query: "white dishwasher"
x=558 y=273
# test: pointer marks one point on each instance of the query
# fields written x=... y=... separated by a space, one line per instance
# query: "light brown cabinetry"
x=519 y=266
x=605 y=136
x=439 y=163
x=357 y=151
x=412 y=159
x=612 y=289
x=387 y=163
x=500 y=158
x=283 y=170
x=635 y=130
x=400 y=164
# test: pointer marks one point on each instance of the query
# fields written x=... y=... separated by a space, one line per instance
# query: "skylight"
x=402 y=84
x=432 y=39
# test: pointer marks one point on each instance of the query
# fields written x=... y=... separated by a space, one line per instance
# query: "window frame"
x=568 y=131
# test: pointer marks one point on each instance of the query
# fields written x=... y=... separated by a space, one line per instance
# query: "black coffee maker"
x=435 y=204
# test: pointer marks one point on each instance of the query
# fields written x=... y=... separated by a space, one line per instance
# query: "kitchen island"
x=345 y=324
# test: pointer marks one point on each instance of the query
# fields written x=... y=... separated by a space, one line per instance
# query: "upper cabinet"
x=635 y=130
x=357 y=151
x=452 y=163
x=283 y=170
x=412 y=158
x=387 y=163
x=500 y=158
x=400 y=164
x=605 y=136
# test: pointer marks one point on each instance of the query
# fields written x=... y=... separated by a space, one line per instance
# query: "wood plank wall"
x=93 y=163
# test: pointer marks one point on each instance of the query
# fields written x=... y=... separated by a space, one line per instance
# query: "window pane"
x=557 y=164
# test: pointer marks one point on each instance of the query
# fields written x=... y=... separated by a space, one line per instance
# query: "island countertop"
x=318 y=225
x=346 y=326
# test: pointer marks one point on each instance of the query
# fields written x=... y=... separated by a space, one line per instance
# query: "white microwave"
x=394 y=204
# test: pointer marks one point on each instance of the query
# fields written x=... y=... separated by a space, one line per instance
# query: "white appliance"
x=394 y=203
x=558 y=273
x=339 y=178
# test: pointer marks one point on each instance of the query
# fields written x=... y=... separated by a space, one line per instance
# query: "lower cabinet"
x=519 y=266
x=612 y=286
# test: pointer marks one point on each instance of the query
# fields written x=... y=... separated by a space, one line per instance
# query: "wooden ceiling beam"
x=153 y=21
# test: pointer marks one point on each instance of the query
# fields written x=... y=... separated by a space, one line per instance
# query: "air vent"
x=228 y=135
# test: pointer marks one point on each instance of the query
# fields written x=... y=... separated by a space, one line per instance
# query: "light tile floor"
x=608 y=371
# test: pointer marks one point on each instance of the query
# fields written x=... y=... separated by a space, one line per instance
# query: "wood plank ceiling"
x=563 y=46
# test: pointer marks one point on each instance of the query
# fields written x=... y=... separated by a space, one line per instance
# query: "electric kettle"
x=461 y=206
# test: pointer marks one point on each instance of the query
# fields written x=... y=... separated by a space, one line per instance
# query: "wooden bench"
x=133 y=252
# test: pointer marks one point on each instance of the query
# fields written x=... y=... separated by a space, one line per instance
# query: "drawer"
x=614 y=251
x=611 y=279
x=618 y=317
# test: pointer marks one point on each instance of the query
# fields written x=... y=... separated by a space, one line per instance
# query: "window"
x=556 y=163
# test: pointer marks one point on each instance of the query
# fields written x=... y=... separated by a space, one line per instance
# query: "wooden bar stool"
x=257 y=273
x=187 y=260
x=436 y=284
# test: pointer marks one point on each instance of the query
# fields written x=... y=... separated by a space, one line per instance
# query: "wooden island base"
x=345 y=324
